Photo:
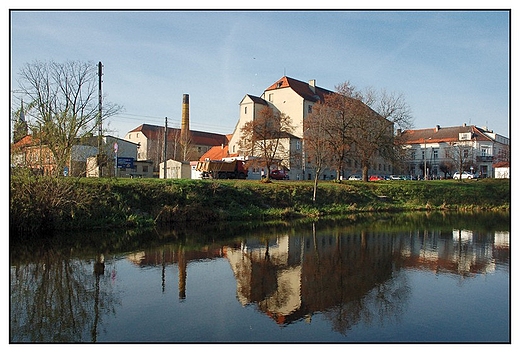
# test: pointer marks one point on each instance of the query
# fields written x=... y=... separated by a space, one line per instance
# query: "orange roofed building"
x=443 y=149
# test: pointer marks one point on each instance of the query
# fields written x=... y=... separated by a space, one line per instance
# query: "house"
x=501 y=170
x=29 y=152
x=440 y=151
x=175 y=170
x=116 y=151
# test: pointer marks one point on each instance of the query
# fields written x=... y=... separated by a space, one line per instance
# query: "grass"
x=39 y=204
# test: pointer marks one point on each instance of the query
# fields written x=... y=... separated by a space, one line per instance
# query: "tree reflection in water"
x=56 y=298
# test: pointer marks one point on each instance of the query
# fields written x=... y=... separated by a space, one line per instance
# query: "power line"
x=176 y=122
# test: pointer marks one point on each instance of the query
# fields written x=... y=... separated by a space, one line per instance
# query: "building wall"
x=285 y=100
x=175 y=170
x=502 y=173
x=248 y=110
x=481 y=155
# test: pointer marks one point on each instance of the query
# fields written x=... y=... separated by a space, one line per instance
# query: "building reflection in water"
x=348 y=277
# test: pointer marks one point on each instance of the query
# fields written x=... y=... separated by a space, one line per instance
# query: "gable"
x=303 y=89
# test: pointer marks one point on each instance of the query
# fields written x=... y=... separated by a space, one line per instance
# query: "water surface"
x=420 y=278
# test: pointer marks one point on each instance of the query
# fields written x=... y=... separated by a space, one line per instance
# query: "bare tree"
x=360 y=125
x=336 y=111
x=262 y=137
x=462 y=154
x=63 y=100
x=319 y=147
x=185 y=144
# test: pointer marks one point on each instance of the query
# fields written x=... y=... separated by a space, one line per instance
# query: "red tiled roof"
x=441 y=134
x=301 y=88
x=216 y=153
x=27 y=140
x=501 y=165
x=155 y=132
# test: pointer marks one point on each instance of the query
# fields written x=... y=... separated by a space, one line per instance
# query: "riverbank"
x=39 y=204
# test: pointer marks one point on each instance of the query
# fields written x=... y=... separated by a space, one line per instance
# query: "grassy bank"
x=45 y=204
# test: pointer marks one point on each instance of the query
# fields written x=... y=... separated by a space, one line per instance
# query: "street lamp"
x=424 y=157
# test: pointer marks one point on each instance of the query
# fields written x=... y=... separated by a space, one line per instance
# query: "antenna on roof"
x=284 y=71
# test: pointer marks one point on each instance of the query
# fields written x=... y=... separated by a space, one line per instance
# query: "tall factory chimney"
x=185 y=122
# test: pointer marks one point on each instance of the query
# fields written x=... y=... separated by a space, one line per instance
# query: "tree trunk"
x=365 y=172
x=316 y=178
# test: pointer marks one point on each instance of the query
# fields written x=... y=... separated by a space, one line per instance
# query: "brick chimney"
x=312 y=85
x=185 y=120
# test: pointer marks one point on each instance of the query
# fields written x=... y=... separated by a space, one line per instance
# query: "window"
x=298 y=145
x=309 y=109
x=435 y=154
x=145 y=169
x=245 y=110
x=270 y=97
x=465 y=153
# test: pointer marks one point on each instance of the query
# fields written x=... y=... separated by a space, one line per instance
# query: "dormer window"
x=279 y=84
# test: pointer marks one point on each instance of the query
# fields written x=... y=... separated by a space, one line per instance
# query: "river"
x=421 y=278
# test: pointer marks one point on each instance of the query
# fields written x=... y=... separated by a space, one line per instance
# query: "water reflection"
x=349 y=274
x=58 y=298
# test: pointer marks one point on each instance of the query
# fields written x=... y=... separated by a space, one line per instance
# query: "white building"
x=295 y=99
x=443 y=149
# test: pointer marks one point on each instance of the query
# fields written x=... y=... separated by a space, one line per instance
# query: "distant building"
x=443 y=149
x=31 y=153
x=150 y=139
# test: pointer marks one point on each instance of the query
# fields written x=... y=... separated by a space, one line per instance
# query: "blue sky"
x=451 y=66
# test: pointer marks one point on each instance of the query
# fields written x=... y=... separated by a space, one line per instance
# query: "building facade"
x=441 y=151
x=295 y=99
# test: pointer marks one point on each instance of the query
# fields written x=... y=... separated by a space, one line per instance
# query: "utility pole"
x=165 y=144
x=100 y=127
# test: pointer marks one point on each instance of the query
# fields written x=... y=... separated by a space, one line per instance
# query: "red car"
x=279 y=175
x=375 y=178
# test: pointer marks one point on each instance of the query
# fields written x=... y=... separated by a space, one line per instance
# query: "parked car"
x=396 y=177
x=279 y=174
x=354 y=177
x=464 y=175
x=375 y=178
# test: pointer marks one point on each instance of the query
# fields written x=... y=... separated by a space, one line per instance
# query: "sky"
x=451 y=66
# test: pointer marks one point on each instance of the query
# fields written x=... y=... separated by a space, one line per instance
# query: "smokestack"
x=185 y=122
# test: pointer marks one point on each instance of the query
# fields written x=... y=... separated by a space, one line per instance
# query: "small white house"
x=175 y=170
x=501 y=170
